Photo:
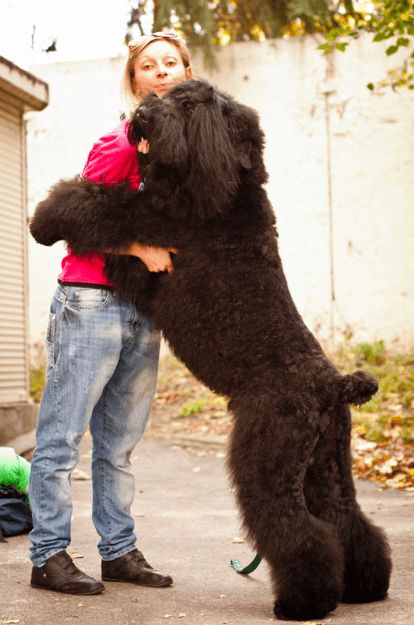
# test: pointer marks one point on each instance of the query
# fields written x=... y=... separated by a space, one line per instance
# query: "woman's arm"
x=156 y=259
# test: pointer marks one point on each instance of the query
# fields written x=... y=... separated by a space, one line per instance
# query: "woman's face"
x=158 y=68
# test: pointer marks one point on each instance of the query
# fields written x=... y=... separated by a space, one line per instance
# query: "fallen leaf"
x=181 y=615
x=167 y=615
x=362 y=445
x=74 y=555
x=81 y=605
x=12 y=620
x=238 y=540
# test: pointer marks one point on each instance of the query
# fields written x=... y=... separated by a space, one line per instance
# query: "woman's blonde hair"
x=130 y=99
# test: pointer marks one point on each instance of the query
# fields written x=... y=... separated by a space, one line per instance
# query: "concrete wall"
x=340 y=164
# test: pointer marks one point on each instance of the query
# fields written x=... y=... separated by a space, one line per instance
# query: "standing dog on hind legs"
x=227 y=313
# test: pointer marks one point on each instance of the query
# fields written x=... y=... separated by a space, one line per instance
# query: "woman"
x=102 y=369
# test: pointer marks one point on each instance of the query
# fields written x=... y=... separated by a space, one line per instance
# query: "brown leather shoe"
x=62 y=575
x=133 y=567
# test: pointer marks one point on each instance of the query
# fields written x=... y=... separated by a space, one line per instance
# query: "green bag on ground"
x=14 y=470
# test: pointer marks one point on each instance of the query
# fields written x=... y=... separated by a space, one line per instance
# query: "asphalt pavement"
x=188 y=526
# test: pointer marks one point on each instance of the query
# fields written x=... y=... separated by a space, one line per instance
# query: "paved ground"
x=187 y=521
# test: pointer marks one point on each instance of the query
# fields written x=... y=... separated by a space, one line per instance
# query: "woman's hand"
x=156 y=259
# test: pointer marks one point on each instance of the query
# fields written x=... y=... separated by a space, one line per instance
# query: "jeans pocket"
x=50 y=338
x=83 y=298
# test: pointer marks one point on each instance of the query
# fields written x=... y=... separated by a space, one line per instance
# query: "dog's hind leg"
x=330 y=495
x=269 y=454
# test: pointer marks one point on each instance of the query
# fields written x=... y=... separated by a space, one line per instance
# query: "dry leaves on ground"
x=382 y=435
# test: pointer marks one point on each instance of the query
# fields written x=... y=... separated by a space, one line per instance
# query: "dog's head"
x=203 y=142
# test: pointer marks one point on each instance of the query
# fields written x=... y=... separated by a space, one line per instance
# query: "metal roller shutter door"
x=13 y=349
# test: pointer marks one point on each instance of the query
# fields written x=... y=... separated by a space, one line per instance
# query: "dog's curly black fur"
x=227 y=313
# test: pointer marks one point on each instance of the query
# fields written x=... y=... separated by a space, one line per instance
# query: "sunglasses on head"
x=162 y=34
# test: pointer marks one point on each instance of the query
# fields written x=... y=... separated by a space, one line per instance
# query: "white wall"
x=340 y=164
x=83 y=106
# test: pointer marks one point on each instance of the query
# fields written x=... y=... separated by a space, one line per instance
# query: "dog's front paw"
x=44 y=233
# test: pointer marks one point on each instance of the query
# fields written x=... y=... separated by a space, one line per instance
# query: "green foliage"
x=372 y=353
x=194 y=21
x=386 y=20
x=37 y=383
x=193 y=407
x=37 y=376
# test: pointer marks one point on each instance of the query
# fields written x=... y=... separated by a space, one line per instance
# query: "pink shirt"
x=111 y=160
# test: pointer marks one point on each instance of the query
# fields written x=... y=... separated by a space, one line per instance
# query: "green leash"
x=247 y=569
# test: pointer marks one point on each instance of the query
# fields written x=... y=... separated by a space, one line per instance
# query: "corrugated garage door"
x=13 y=350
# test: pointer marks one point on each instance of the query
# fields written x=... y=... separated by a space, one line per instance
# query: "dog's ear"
x=244 y=154
x=250 y=140
x=213 y=168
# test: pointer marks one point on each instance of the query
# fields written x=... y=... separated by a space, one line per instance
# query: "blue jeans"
x=102 y=370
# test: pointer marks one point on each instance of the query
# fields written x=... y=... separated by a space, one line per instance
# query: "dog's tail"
x=356 y=388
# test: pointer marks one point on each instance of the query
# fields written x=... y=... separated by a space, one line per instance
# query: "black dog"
x=227 y=313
